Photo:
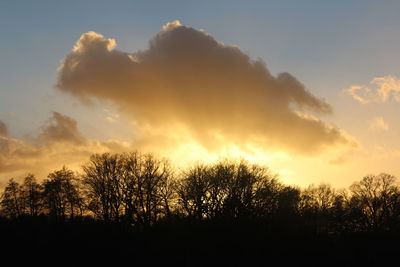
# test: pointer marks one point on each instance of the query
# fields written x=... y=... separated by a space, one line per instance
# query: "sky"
x=310 y=89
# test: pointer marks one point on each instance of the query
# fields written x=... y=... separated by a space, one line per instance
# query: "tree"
x=11 y=200
x=134 y=187
x=319 y=198
x=288 y=200
x=317 y=205
x=152 y=189
x=377 y=198
x=193 y=191
x=228 y=189
x=31 y=192
x=101 y=178
x=61 y=195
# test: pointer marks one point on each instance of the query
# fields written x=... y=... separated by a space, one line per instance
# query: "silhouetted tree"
x=61 y=195
x=147 y=188
x=376 y=197
x=151 y=189
x=102 y=176
x=11 y=200
x=141 y=190
x=253 y=191
x=316 y=205
x=136 y=187
x=319 y=198
x=341 y=213
x=228 y=189
x=193 y=191
x=288 y=200
x=31 y=193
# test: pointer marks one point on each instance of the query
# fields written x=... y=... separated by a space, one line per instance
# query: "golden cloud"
x=61 y=128
x=187 y=81
x=58 y=143
x=381 y=90
x=378 y=124
x=3 y=129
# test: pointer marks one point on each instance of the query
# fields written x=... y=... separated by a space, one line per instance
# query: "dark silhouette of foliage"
x=101 y=180
x=135 y=187
x=376 y=197
x=227 y=213
x=31 y=193
x=61 y=196
x=11 y=200
x=229 y=190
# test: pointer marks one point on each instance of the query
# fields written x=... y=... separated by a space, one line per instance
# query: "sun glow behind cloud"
x=189 y=98
x=186 y=81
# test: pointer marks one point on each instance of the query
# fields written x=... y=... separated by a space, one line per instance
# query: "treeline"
x=141 y=190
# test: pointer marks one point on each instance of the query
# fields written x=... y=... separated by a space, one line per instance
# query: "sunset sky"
x=310 y=89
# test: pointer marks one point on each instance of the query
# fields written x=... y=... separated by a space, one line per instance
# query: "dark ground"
x=189 y=243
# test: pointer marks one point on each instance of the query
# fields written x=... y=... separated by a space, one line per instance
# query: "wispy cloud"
x=339 y=160
x=381 y=89
x=378 y=124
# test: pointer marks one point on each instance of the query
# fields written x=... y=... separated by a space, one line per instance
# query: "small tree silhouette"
x=31 y=192
x=377 y=198
x=61 y=196
x=11 y=200
x=136 y=188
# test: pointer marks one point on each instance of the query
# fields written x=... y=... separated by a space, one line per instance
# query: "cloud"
x=340 y=160
x=364 y=98
x=3 y=129
x=382 y=89
x=111 y=117
x=59 y=142
x=187 y=82
x=61 y=128
x=378 y=124
x=171 y=25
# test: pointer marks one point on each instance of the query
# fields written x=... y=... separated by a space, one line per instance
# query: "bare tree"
x=319 y=198
x=228 y=189
x=11 y=200
x=288 y=200
x=376 y=196
x=102 y=175
x=152 y=192
x=193 y=191
x=31 y=192
x=134 y=187
x=318 y=204
x=61 y=195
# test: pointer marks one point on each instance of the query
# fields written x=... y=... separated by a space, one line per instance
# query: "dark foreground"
x=189 y=243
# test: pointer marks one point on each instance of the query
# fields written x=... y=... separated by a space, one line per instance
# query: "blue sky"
x=328 y=45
